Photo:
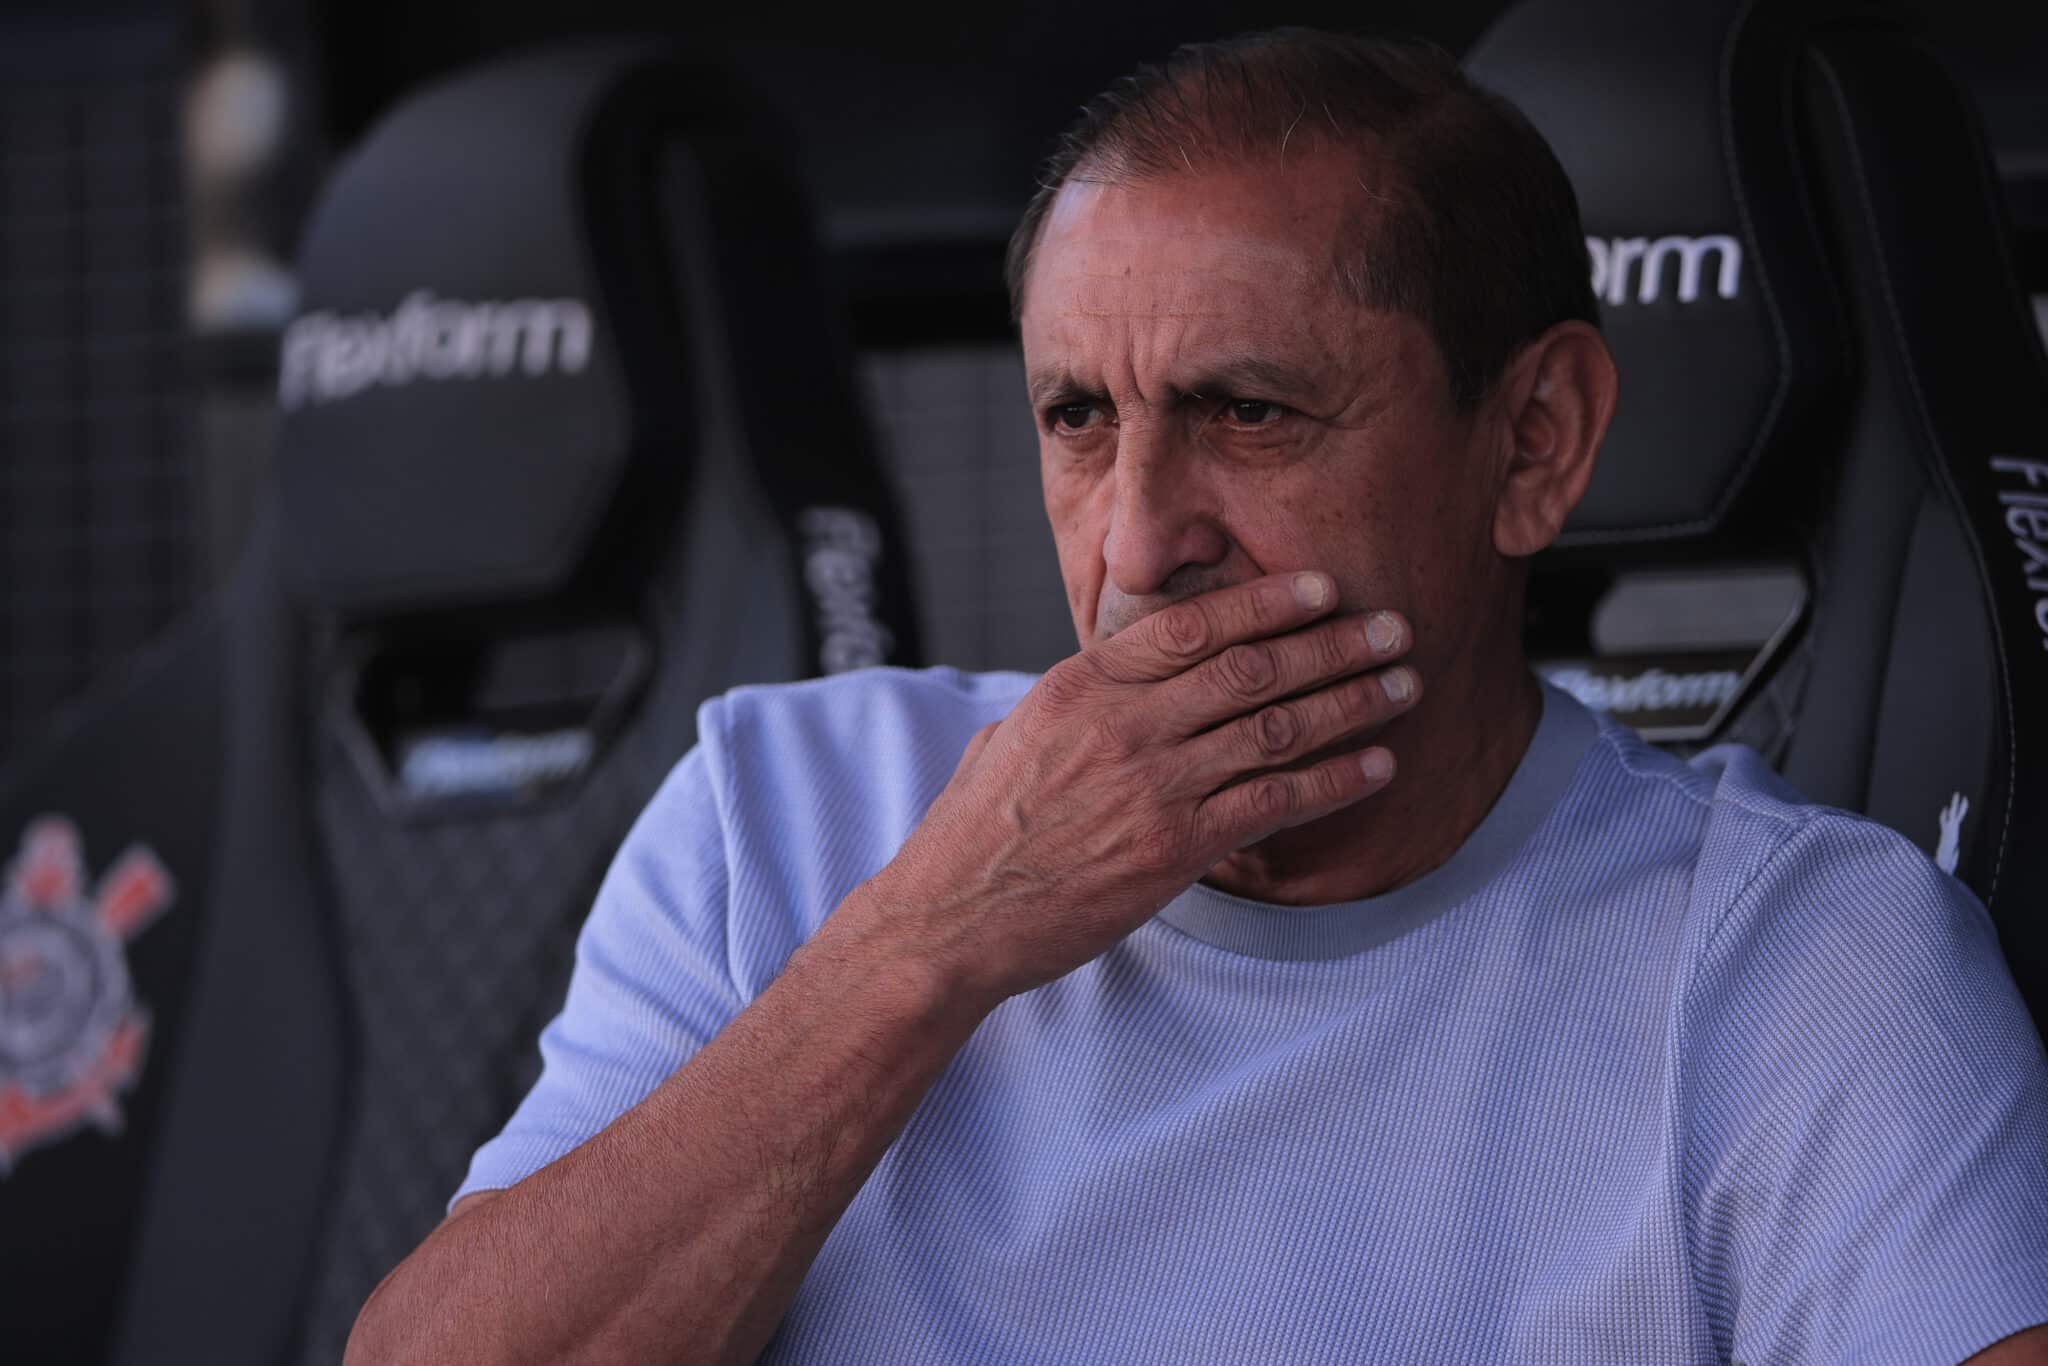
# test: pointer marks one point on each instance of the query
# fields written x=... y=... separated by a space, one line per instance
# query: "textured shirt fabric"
x=1664 y=1065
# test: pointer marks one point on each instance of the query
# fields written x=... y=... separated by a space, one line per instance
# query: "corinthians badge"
x=72 y=1036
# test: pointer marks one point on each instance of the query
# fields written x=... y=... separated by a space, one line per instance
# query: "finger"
x=1247 y=812
x=1248 y=675
x=1175 y=638
x=1282 y=732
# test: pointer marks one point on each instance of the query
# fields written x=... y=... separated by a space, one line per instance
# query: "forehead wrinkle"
x=1149 y=315
x=1282 y=377
x=1178 y=352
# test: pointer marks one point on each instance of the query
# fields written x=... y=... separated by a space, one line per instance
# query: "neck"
x=1453 y=756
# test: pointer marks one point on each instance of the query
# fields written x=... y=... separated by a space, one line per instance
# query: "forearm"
x=682 y=1231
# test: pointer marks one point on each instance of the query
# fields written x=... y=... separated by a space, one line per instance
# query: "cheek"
x=1418 y=540
x=1072 y=503
x=1332 y=517
x=1079 y=516
x=1305 y=515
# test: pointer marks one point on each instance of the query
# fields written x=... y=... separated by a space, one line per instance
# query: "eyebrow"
x=1252 y=374
x=1046 y=385
x=1233 y=375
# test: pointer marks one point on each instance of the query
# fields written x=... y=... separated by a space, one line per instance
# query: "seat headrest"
x=1675 y=126
x=488 y=358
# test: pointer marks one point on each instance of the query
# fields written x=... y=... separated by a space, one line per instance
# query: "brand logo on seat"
x=1637 y=269
x=1948 y=849
x=2026 y=520
x=71 y=1034
x=332 y=356
x=1649 y=690
x=841 y=548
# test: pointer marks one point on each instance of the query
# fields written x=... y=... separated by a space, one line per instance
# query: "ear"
x=1558 y=396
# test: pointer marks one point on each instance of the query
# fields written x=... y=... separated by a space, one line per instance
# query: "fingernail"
x=1377 y=765
x=1382 y=631
x=1311 y=590
x=1398 y=684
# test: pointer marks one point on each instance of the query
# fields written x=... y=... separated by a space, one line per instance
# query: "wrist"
x=880 y=942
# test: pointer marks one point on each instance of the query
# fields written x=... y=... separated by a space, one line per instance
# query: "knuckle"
x=1185 y=630
x=1056 y=686
x=1246 y=671
x=1274 y=731
x=1356 y=702
x=1333 y=651
x=1065 y=683
x=1108 y=737
x=1271 y=798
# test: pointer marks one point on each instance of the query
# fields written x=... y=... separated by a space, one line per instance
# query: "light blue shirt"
x=1664 y=1065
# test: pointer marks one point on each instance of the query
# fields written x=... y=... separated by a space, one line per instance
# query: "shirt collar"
x=1262 y=929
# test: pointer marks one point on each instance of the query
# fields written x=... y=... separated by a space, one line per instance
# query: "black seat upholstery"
x=570 y=443
x=1820 y=521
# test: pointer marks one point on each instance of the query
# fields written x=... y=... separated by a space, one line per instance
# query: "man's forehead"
x=1186 y=244
x=1227 y=322
x=1212 y=302
x=1229 y=276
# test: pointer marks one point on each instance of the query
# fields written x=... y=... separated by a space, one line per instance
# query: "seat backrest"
x=569 y=443
x=1815 y=522
x=119 y=797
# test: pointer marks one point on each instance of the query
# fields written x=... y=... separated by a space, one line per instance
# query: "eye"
x=1075 y=417
x=1252 y=412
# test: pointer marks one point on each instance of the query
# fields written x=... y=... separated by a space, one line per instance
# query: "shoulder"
x=1789 y=866
x=1773 y=887
x=761 y=747
x=1862 y=1095
x=873 y=719
x=1687 y=833
x=817 y=784
x=793 y=794
x=1814 y=936
x=1845 y=926
x=905 y=698
x=1754 y=837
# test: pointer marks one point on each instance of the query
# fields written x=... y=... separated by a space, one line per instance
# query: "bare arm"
x=2028 y=1347
x=683 y=1230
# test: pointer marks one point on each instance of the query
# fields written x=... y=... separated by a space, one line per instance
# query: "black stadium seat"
x=1820 y=521
x=570 y=442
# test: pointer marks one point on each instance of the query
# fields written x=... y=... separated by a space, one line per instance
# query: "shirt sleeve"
x=1866 y=1102
x=651 y=983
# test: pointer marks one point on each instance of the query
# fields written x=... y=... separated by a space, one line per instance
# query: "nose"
x=1159 y=521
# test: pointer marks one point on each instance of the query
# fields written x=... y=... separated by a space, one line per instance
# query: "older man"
x=1169 y=1024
